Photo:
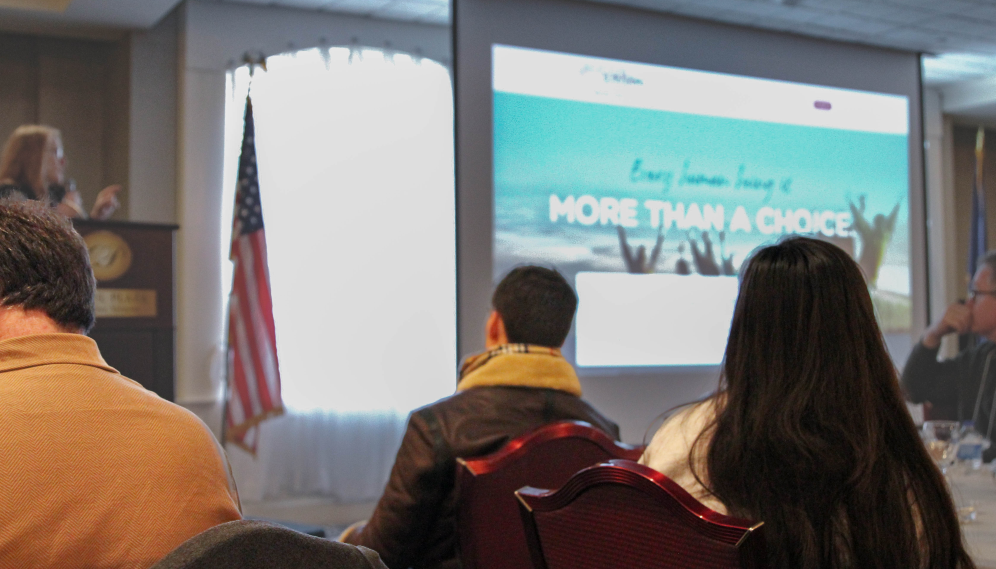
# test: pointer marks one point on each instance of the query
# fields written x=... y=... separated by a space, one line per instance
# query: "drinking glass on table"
x=971 y=445
x=941 y=438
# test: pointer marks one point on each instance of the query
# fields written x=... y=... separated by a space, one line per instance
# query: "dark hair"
x=44 y=265
x=536 y=305
x=812 y=436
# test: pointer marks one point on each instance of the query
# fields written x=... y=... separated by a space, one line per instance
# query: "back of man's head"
x=44 y=265
x=536 y=305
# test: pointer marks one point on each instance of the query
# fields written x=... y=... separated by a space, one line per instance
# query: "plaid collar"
x=476 y=361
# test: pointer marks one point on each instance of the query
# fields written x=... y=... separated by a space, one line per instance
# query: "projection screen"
x=644 y=155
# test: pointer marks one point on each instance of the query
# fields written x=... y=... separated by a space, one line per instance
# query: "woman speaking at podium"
x=33 y=166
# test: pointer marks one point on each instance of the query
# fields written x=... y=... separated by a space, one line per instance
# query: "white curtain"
x=355 y=160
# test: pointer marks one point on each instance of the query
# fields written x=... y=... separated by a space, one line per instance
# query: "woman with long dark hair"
x=32 y=166
x=808 y=431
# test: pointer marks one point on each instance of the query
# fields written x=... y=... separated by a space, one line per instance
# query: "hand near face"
x=107 y=202
x=957 y=319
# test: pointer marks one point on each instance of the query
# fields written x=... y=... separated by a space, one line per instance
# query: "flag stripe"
x=243 y=380
x=261 y=313
x=247 y=359
x=263 y=279
x=236 y=405
x=235 y=413
x=256 y=330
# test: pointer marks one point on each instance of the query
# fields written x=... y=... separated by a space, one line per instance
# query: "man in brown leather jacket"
x=518 y=384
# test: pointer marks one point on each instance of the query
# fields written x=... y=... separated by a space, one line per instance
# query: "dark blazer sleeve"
x=398 y=528
x=926 y=379
x=593 y=416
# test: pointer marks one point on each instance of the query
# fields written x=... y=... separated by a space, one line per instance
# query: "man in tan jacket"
x=96 y=471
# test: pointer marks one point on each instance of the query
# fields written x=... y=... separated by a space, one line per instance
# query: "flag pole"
x=252 y=63
x=228 y=364
x=228 y=373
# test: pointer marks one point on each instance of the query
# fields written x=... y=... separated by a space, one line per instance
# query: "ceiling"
x=962 y=33
x=428 y=11
x=959 y=35
x=82 y=18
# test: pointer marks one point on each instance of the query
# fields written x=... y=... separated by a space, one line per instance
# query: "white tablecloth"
x=978 y=487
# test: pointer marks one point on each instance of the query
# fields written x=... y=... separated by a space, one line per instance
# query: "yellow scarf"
x=519 y=365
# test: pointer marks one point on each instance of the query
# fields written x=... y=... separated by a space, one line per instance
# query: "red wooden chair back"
x=489 y=527
x=623 y=514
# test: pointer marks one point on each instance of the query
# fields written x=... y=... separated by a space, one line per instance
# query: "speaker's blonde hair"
x=23 y=157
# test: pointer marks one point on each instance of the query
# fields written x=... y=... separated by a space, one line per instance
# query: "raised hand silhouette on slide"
x=875 y=237
x=705 y=259
x=728 y=269
x=638 y=263
x=682 y=266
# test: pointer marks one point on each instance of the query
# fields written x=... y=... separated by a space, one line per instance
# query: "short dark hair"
x=44 y=265
x=537 y=306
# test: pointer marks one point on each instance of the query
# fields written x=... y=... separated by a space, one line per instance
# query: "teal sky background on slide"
x=545 y=146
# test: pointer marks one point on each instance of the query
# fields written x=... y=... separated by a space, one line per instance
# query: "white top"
x=668 y=452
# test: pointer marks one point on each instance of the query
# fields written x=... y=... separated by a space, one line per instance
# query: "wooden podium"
x=133 y=264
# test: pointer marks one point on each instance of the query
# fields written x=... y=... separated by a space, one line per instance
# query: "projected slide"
x=648 y=186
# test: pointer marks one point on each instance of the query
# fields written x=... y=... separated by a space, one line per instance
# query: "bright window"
x=356 y=179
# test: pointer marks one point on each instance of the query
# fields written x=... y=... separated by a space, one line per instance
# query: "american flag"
x=253 y=372
x=977 y=239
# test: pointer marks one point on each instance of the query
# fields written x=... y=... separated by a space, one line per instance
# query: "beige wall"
x=153 y=122
x=80 y=87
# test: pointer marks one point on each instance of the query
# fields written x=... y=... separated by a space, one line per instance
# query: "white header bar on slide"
x=613 y=82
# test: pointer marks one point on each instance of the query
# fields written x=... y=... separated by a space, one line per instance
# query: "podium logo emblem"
x=110 y=255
